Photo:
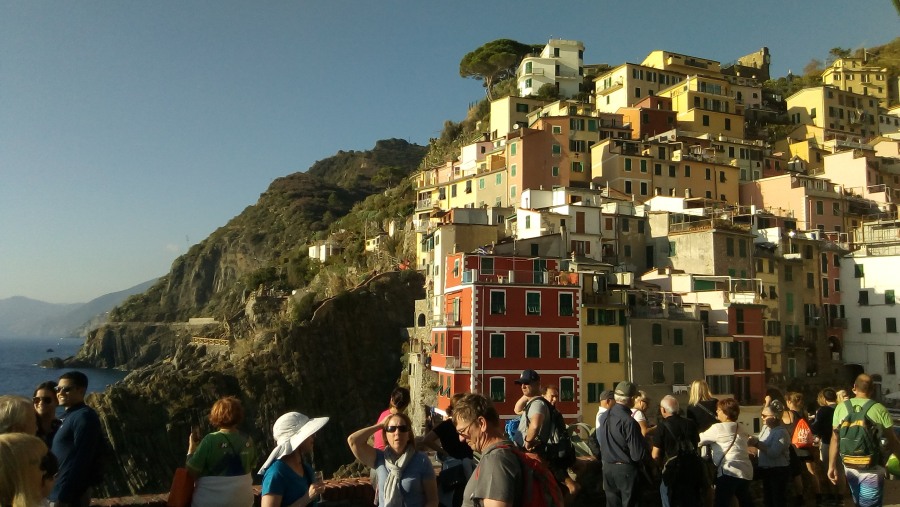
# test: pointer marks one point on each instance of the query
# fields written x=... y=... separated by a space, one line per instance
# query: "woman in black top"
x=701 y=406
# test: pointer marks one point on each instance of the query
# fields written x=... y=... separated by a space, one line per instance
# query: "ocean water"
x=20 y=373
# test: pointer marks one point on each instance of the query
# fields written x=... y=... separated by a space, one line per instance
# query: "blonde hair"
x=18 y=454
x=16 y=414
x=699 y=392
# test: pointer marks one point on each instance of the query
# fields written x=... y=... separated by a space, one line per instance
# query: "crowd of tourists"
x=699 y=455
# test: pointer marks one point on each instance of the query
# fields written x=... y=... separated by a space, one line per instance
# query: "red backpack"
x=539 y=486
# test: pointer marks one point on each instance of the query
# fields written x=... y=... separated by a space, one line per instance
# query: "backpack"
x=803 y=437
x=512 y=428
x=558 y=449
x=860 y=443
x=684 y=472
x=539 y=487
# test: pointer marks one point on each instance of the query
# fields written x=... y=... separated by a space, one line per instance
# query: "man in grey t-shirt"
x=497 y=480
x=532 y=430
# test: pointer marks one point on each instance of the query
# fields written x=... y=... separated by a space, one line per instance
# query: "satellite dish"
x=516 y=126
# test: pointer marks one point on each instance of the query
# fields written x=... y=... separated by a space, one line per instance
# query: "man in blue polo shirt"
x=623 y=449
x=75 y=444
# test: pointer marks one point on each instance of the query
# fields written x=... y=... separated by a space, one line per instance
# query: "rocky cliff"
x=342 y=364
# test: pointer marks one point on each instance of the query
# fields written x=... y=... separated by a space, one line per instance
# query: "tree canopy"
x=493 y=61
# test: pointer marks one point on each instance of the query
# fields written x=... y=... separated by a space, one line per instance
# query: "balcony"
x=452 y=319
x=456 y=363
x=521 y=277
x=423 y=204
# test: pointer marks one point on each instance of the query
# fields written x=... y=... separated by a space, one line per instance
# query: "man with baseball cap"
x=623 y=448
x=532 y=429
x=607 y=400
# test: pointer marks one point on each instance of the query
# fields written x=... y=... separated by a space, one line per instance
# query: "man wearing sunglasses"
x=75 y=444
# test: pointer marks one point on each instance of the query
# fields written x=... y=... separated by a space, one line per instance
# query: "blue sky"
x=132 y=130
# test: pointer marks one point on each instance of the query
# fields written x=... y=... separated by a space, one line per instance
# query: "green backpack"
x=860 y=444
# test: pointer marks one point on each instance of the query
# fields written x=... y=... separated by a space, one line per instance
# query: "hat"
x=607 y=395
x=291 y=430
x=625 y=388
x=529 y=376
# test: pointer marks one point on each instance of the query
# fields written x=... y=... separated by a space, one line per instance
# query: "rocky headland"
x=271 y=326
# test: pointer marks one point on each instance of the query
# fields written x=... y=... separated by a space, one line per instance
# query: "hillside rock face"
x=342 y=364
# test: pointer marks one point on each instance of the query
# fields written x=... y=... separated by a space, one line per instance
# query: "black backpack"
x=683 y=473
x=558 y=449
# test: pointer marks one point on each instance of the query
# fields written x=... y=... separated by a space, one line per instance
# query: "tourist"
x=27 y=470
x=639 y=412
x=223 y=461
x=607 y=400
x=773 y=452
x=457 y=457
x=398 y=403
x=842 y=396
x=821 y=428
x=76 y=444
x=498 y=479
x=728 y=442
x=675 y=435
x=405 y=477
x=623 y=449
x=288 y=479
x=532 y=415
x=701 y=405
x=45 y=405
x=866 y=482
x=17 y=415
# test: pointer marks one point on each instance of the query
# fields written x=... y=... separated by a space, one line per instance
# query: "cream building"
x=855 y=75
x=843 y=114
x=560 y=64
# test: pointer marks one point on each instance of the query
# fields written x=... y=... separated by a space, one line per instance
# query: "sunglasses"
x=47 y=400
x=65 y=389
x=49 y=466
x=402 y=428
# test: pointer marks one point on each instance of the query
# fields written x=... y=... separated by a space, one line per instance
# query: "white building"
x=561 y=64
x=869 y=279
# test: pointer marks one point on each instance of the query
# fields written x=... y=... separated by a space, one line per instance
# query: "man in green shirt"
x=866 y=483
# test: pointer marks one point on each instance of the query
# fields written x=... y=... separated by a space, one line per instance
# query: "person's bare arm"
x=431 y=492
x=359 y=445
x=832 y=457
x=520 y=405
x=534 y=424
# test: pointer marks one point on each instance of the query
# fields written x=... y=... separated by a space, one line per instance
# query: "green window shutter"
x=592 y=352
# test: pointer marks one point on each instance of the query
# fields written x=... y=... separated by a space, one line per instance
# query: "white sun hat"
x=290 y=430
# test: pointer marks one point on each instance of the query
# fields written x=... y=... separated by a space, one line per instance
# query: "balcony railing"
x=455 y=363
x=423 y=204
x=521 y=277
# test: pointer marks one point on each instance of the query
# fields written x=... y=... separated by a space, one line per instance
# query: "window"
x=523 y=108
x=863 y=297
x=628 y=164
x=498 y=389
x=729 y=247
x=568 y=346
x=657 y=334
x=824 y=287
x=512 y=150
x=837 y=284
x=566 y=304
x=628 y=186
x=678 y=373
x=626 y=225
x=789 y=302
x=498 y=302
x=890 y=324
x=678 y=337
x=858 y=271
x=810 y=280
x=498 y=345
x=889 y=297
x=643 y=165
x=481 y=183
x=554 y=171
x=672 y=171
x=577 y=167
x=742 y=248
x=788 y=274
x=532 y=303
x=594 y=390
x=512 y=170
x=708 y=173
x=532 y=345
x=591 y=353
x=820 y=208
x=613 y=352
x=512 y=192
x=671 y=249
x=890 y=363
x=556 y=149
x=658 y=376
x=566 y=389
x=727 y=123
x=865 y=325
x=499 y=179
x=687 y=171
x=706 y=120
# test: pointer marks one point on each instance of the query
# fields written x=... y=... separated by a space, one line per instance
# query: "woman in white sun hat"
x=288 y=480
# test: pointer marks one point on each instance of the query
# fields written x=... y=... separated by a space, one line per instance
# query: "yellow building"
x=509 y=112
x=684 y=64
x=843 y=114
x=706 y=105
x=602 y=331
x=855 y=75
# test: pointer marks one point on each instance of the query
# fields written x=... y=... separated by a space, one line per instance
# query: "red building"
x=503 y=315
x=745 y=323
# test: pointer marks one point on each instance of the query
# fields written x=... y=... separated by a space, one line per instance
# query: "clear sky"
x=132 y=130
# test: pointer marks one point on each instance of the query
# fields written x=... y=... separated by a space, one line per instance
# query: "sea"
x=20 y=373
